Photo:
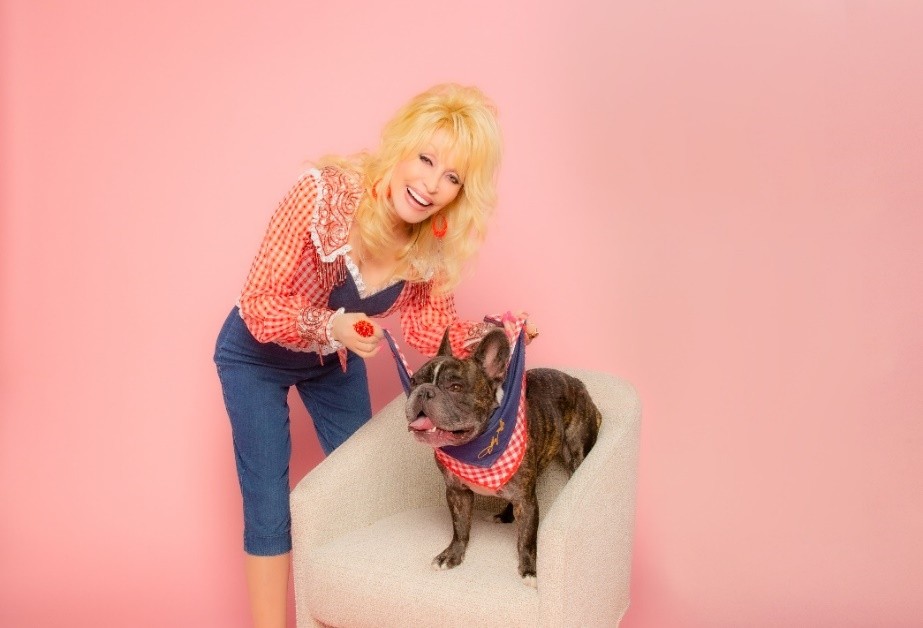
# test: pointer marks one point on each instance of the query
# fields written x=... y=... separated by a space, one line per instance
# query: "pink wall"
x=719 y=201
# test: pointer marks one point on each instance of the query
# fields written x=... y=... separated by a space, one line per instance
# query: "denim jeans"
x=256 y=378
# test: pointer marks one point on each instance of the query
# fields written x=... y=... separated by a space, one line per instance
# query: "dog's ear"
x=445 y=349
x=493 y=353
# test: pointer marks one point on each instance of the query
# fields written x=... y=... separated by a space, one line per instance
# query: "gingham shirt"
x=302 y=258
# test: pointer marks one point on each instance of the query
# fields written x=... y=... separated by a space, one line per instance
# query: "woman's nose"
x=432 y=182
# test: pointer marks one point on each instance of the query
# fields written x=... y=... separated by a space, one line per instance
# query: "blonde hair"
x=469 y=120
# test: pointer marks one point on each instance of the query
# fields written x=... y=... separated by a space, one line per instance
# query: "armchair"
x=369 y=519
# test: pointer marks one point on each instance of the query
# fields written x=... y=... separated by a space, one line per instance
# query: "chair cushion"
x=381 y=575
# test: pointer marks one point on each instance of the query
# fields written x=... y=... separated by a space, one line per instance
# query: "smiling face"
x=426 y=181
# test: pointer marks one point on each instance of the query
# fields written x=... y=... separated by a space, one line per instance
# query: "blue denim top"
x=346 y=296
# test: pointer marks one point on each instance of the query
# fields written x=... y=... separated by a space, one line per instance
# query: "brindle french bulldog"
x=450 y=403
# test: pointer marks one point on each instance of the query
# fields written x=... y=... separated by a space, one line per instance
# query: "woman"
x=359 y=237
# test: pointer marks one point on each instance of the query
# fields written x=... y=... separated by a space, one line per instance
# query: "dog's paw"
x=529 y=580
x=447 y=560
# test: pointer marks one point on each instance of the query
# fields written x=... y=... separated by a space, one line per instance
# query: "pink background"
x=717 y=200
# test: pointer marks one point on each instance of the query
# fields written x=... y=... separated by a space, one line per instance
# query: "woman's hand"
x=531 y=329
x=508 y=320
x=344 y=331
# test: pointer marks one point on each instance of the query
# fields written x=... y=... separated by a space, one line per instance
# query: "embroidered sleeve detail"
x=476 y=332
x=313 y=325
x=338 y=198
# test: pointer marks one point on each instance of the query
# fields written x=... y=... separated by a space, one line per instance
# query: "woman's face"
x=426 y=181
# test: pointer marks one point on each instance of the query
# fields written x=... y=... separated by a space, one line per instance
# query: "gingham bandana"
x=491 y=459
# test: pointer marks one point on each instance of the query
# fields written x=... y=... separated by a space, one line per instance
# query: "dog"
x=450 y=402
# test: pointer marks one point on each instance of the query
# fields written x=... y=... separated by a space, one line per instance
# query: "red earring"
x=439 y=230
x=373 y=192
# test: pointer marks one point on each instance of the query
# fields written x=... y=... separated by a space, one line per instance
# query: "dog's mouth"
x=428 y=432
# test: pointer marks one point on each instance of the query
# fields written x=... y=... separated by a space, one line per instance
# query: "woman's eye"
x=454 y=179
x=426 y=160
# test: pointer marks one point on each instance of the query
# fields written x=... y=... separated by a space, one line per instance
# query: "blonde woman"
x=356 y=238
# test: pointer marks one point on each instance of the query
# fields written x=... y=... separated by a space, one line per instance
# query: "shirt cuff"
x=334 y=344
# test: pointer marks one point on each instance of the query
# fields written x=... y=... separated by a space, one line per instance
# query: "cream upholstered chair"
x=368 y=521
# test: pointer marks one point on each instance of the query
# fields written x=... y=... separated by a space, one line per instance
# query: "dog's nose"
x=429 y=393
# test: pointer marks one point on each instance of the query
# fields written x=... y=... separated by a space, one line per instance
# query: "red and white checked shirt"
x=301 y=260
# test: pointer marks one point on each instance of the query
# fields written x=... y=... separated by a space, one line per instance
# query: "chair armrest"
x=585 y=539
x=378 y=471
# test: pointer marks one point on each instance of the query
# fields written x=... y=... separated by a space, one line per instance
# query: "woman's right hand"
x=344 y=332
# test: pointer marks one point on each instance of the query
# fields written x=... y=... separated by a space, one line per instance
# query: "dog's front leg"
x=526 y=513
x=460 y=500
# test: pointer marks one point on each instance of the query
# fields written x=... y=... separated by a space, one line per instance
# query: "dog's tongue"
x=422 y=424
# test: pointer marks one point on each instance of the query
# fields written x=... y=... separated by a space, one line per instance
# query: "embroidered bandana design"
x=492 y=458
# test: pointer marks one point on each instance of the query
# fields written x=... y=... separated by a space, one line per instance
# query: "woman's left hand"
x=531 y=329
x=509 y=320
x=531 y=332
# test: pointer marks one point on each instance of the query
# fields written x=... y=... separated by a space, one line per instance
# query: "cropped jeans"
x=256 y=378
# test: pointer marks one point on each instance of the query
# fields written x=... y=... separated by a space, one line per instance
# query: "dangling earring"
x=439 y=230
x=373 y=192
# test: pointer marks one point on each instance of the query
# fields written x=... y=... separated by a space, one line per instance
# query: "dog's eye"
x=456 y=387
